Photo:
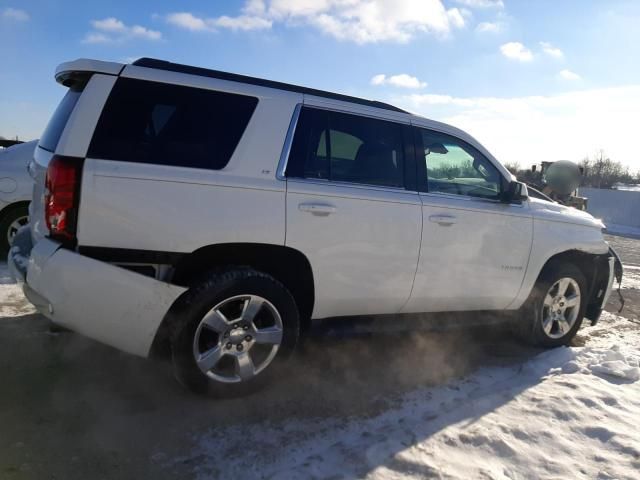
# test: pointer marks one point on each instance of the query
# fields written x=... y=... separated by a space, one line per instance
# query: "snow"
x=12 y=301
x=565 y=413
x=614 y=363
x=631 y=277
x=570 y=412
x=625 y=187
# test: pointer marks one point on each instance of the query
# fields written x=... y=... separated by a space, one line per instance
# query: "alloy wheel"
x=561 y=307
x=238 y=338
x=15 y=226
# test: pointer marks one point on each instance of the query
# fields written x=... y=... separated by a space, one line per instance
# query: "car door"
x=349 y=212
x=475 y=248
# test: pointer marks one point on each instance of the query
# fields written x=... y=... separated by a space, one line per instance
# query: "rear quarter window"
x=53 y=131
x=150 y=122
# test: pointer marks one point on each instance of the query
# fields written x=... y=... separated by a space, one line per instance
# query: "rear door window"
x=347 y=148
x=150 y=122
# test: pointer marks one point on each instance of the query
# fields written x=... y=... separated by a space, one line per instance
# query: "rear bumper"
x=17 y=260
x=104 y=302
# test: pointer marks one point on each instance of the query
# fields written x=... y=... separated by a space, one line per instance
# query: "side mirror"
x=515 y=192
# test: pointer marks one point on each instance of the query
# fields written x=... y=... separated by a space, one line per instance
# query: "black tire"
x=8 y=216
x=528 y=325
x=203 y=296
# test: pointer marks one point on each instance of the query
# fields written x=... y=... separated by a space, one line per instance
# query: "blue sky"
x=533 y=81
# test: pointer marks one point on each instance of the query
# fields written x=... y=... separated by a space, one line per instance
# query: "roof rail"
x=234 y=77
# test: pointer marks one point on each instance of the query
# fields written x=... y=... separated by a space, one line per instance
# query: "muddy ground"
x=71 y=408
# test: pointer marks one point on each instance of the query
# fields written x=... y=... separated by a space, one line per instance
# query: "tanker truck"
x=559 y=181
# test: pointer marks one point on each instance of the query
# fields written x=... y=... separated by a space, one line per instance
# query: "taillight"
x=62 y=196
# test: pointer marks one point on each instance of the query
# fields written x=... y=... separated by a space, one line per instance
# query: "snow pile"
x=564 y=413
x=610 y=362
x=613 y=362
x=12 y=301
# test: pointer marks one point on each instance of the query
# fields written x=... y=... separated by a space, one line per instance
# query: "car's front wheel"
x=554 y=311
x=232 y=331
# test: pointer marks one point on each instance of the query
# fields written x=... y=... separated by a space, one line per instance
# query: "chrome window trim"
x=383 y=115
x=467 y=198
x=362 y=186
x=288 y=141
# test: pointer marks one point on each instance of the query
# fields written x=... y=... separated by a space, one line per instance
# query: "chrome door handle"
x=443 y=220
x=319 y=209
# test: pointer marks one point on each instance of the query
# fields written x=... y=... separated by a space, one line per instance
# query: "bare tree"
x=513 y=167
x=599 y=171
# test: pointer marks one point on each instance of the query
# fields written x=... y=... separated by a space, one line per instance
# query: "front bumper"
x=110 y=304
x=611 y=277
x=604 y=285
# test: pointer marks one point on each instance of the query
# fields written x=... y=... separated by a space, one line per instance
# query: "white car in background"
x=16 y=187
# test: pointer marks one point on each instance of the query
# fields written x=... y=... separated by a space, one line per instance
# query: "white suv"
x=211 y=217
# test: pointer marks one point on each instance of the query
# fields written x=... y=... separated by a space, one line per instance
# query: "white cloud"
x=530 y=129
x=187 y=21
x=456 y=16
x=95 y=37
x=567 y=74
x=489 y=27
x=401 y=80
x=112 y=30
x=516 y=51
x=550 y=50
x=482 y=3
x=143 y=32
x=110 y=24
x=360 y=21
x=378 y=79
x=241 y=22
x=15 y=14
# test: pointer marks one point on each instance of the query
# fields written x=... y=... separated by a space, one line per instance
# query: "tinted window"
x=457 y=168
x=149 y=122
x=348 y=148
x=51 y=135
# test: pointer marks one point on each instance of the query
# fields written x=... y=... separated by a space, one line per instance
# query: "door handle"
x=319 y=209
x=443 y=220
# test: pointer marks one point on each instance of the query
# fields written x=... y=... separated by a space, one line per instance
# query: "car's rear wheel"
x=554 y=311
x=12 y=219
x=232 y=332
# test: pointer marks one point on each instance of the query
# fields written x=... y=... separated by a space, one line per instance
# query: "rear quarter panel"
x=177 y=209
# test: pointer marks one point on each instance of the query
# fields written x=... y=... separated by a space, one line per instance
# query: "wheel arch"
x=11 y=206
x=287 y=265
x=594 y=267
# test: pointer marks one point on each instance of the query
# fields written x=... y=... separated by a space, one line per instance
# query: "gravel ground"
x=629 y=251
x=71 y=408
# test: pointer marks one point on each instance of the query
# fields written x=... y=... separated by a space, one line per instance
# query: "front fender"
x=551 y=238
